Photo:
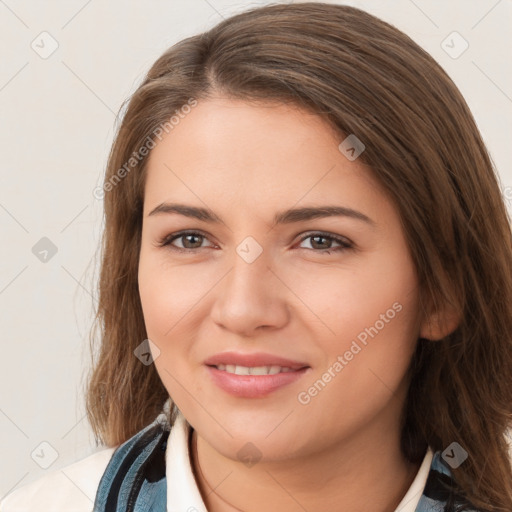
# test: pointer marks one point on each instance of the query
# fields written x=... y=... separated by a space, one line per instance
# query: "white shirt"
x=73 y=488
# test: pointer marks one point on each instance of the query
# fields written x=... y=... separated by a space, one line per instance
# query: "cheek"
x=167 y=299
x=167 y=293
x=174 y=304
x=154 y=294
x=344 y=302
x=369 y=317
x=375 y=350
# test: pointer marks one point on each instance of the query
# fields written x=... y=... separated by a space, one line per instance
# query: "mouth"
x=254 y=381
x=255 y=370
x=256 y=362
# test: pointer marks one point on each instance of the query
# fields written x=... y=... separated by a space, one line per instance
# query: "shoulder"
x=71 y=488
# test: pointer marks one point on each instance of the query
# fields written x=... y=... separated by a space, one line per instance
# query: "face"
x=336 y=293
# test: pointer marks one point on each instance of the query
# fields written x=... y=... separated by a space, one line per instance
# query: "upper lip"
x=253 y=359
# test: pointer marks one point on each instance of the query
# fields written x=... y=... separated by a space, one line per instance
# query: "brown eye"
x=189 y=241
x=323 y=242
x=192 y=240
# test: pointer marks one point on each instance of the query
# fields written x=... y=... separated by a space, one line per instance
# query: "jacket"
x=152 y=472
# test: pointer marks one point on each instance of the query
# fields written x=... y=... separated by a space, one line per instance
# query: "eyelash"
x=166 y=241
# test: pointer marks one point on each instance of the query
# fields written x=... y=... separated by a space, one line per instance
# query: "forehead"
x=224 y=130
x=252 y=154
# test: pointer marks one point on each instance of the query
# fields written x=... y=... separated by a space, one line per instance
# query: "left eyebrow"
x=284 y=217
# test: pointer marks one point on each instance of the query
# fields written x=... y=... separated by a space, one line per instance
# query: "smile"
x=253 y=381
x=253 y=370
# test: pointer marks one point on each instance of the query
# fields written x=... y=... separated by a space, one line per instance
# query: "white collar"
x=412 y=496
x=183 y=493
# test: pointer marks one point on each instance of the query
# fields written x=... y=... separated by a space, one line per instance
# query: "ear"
x=439 y=324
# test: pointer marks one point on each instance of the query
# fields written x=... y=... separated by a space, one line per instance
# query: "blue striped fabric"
x=134 y=479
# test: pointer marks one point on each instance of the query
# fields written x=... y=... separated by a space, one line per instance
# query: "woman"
x=305 y=292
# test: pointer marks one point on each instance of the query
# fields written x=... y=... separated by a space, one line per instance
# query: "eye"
x=191 y=240
x=318 y=239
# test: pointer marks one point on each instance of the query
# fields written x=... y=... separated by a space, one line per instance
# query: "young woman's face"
x=337 y=294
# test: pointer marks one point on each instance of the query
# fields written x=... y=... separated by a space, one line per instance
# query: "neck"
x=361 y=476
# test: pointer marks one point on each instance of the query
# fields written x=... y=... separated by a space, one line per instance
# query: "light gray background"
x=57 y=124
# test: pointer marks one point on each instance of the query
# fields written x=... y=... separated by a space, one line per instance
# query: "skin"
x=246 y=162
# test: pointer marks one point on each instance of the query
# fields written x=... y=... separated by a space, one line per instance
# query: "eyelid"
x=344 y=242
x=338 y=238
x=167 y=239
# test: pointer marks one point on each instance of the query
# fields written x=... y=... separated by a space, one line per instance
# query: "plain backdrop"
x=65 y=68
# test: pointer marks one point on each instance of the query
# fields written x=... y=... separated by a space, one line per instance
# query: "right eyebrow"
x=284 y=217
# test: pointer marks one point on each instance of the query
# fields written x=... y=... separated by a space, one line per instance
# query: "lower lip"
x=253 y=386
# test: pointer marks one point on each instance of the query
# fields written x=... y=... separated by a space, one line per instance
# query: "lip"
x=254 y=359
x=253 y=386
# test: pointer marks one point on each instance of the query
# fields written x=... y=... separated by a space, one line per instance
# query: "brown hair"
x=364 y=77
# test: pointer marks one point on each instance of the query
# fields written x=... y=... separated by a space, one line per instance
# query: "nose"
x=250 y=297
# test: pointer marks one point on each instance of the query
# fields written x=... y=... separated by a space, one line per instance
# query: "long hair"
x=364 y=77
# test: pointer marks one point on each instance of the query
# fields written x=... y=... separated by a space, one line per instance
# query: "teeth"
x=253 y=370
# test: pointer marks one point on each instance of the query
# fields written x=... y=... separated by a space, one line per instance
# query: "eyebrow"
x=284 y=217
